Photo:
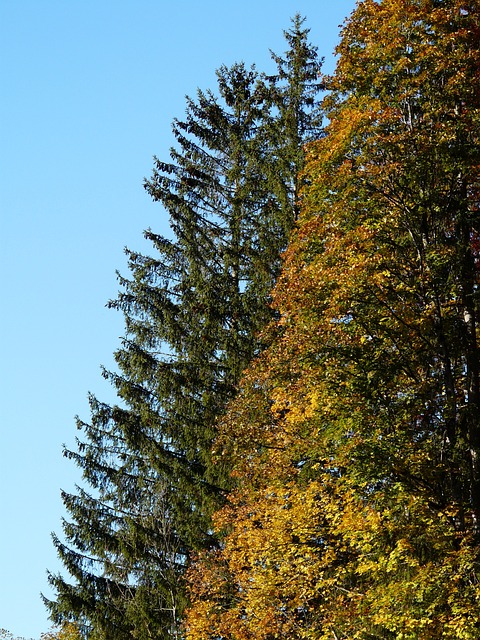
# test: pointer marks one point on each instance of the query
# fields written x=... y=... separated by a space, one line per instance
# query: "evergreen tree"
x=192 y=313
x=294 y=91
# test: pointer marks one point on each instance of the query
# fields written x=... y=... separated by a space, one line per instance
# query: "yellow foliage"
x=354 y=438
x=67 y=631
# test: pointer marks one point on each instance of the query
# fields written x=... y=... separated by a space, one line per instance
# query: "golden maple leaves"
x=353 y=437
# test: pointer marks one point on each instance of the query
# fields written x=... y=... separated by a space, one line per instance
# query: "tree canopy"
x=296 y=448
x=355 y=440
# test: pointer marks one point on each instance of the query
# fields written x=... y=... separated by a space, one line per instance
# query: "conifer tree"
x=192 y=311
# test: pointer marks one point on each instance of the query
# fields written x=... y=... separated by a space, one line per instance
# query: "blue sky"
x=88 y=91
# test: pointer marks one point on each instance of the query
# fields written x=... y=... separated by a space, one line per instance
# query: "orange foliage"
x=355 y=438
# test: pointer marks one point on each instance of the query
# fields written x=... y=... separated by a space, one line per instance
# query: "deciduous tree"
x=365 y=408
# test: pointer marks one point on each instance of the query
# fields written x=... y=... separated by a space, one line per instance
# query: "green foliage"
x=192 y=312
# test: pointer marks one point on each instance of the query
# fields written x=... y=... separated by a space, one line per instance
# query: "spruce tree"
x=193 y=312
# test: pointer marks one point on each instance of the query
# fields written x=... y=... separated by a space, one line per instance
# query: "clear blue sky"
x=88 y=91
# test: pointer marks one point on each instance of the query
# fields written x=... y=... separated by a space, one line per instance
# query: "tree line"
x=295 y=451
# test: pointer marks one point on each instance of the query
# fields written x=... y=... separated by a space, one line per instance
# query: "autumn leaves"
x=354 y=441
